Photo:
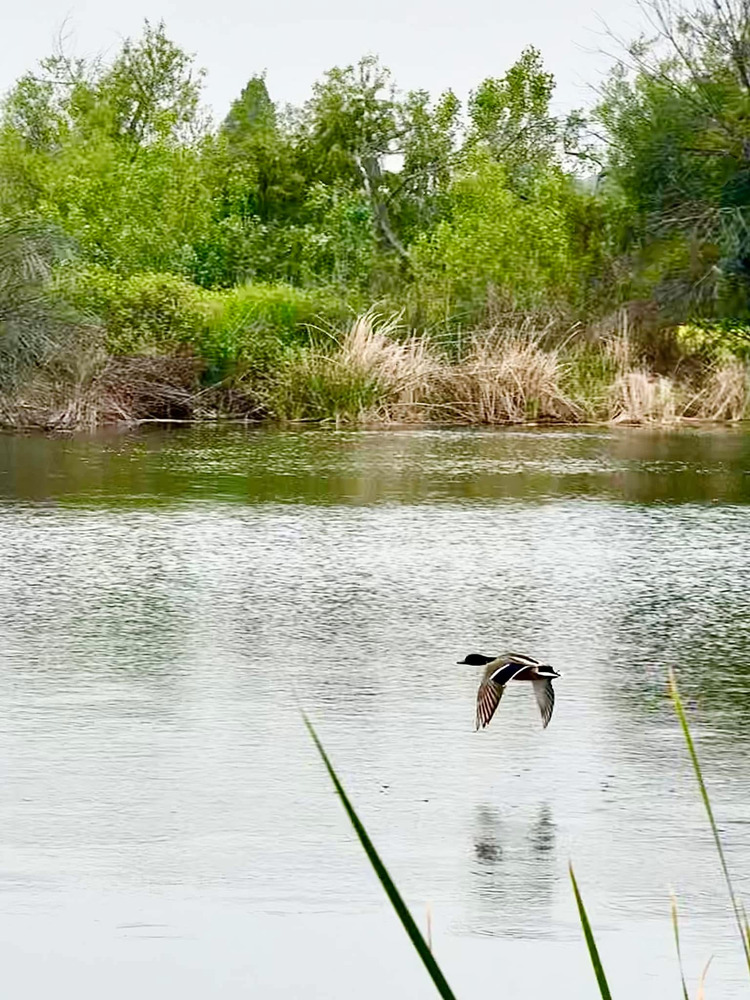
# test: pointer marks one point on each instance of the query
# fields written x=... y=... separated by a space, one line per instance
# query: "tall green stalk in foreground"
x=739 y=915
x=676 y=931
x=385 y=879
x=590 y=942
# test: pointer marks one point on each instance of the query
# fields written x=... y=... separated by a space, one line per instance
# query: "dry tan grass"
x=638 y=397
x=406 y=370
x=726 y=394
x=503 y=377
x=371 y=375
x=109 y=391
x=618 y=349
x=376 y=373
x=506 y=377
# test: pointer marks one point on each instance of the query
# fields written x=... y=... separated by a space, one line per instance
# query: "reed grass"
x=588 y=934
x=743 y=926
x=639 y=397
x=378 y=372
x=506 y=377
x=725 y=394
x=367 y=375
x=739 y=915
x=402 y=911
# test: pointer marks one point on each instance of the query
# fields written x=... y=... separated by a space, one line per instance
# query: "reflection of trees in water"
x=259 y=466
x=658 y=466
x=512 y=871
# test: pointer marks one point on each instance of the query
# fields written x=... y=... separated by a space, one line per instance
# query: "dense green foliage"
x=363 y=190
x=235 y=240
x=152 y=313
x=675 y=115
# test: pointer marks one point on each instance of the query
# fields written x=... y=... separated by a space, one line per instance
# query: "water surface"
x=166 y=598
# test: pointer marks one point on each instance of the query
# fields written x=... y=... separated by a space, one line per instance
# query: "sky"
x=430 y=44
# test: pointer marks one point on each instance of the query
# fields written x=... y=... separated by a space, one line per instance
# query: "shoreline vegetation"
x=375 y=257
x=376 y=375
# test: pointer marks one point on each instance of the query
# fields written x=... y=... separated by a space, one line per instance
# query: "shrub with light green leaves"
x=250 y=328
x=146 y=313
x=719 y=340
x=245 y=328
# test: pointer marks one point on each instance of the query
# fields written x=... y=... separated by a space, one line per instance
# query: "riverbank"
x=374 y=373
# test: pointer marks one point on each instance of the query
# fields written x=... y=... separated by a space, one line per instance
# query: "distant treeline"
x=452 y=213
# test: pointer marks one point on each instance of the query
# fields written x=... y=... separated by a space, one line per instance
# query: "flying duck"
x=500 y=671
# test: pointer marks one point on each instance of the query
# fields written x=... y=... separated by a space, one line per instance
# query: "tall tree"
x=351 y=128
x=510 y=116
x=251 y=116
x=676 y=114
x=151 y=91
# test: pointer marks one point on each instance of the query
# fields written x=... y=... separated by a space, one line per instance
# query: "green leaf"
x=676 y=929
x=392 y=892
x=738 y=914
x=590 y=942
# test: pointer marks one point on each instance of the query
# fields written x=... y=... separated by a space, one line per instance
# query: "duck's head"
x=477 y=660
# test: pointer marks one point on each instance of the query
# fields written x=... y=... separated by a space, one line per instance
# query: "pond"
x=168 y=600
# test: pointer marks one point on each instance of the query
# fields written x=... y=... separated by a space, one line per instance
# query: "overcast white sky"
x=433 y=44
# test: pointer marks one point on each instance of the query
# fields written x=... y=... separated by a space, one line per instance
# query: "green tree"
x=417 y=196
x=510 y=118
x=349 y=128
x=675 y=114
x=150 y=93
x=251 y=116
x=523 y=251
x=111 y=154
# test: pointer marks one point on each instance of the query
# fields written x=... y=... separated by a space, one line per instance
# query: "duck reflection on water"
x=512 y=872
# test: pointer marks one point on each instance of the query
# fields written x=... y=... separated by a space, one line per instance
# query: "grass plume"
x=506 y=376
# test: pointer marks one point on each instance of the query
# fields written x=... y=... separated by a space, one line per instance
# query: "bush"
x=285 y=312
x=245 y=328
x=146 y=313
x=517 y=246
x=716 y=341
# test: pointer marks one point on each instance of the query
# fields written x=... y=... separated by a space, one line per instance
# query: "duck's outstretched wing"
x=488 y=698
x=545 y=698
x=492 y=687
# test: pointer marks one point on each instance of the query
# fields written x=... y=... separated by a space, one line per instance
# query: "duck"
x=500 y=671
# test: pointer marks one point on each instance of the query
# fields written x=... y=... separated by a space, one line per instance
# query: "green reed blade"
x=677 y=701
x=676 y=929
x=385 y=880
x=590 y=942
